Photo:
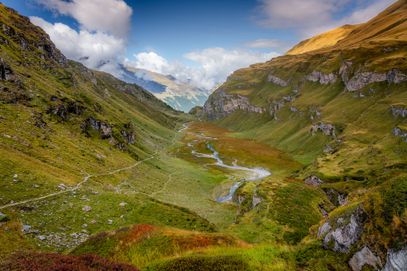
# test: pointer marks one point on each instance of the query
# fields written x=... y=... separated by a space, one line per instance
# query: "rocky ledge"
x=221 y=104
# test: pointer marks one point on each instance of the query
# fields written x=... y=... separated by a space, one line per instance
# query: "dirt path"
x=86 y=179
x=79 y=185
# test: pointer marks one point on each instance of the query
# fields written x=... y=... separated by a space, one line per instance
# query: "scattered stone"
x=85 y=225
x=26 y=229
x=396 y=260
x=364 y=257
x=109 y=221
x=62 y=186
x=42 y=237
x=314 y=181
x=86 y=208
x=122 y=204
x=93 y=221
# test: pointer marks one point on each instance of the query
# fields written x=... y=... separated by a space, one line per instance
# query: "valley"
x=297 y=163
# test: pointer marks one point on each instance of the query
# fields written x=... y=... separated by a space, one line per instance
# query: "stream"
x=253 y=174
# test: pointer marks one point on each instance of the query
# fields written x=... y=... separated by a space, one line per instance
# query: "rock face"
x=322 y=78
x=326 y=128
x=399 y=132
x=361 y=79
x=105 y=130
x=396 y=260
x=345 y=231
x=278 y=81
x=220 y=105
x=313 y=180
x=362 y=258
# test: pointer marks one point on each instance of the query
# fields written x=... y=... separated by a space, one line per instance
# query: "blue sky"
x=200 y=41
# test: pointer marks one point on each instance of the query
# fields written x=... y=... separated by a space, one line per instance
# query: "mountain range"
x=179 y=95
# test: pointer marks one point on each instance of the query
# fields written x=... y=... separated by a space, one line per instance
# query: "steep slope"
x=179 y=95
x=323 y=40
x=82 y=152
x=341 y=112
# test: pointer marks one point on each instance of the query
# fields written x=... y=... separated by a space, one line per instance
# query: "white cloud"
x=311 y=17
x=100 y=42
x=95 y=50
x=212 y=65
x=150 y=61
x=109 y=16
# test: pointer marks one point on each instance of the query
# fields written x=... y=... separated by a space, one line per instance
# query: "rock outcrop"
x=339 y=234
x=396 y=260
x=64 y=110
x=399 y=132
x=398 y=111
x=276 y=80
x=326 y=128
x=322 y=78
x=364 y=257
x=105 y=130
x=221 y=104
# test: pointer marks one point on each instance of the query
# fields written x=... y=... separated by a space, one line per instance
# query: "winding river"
x=252 y=174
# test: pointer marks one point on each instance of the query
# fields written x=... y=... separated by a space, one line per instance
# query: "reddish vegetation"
x=202 y=241
x=58 y=262
x=138 y=232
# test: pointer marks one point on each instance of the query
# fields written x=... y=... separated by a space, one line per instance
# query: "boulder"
x=343 y=232
x=396 y=260
x=86 y=208
x=364 y=257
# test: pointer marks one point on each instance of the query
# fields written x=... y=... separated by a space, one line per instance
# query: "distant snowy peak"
x=180 y=95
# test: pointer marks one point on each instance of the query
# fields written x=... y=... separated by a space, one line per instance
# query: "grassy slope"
x=369 y=162
x=39 y=159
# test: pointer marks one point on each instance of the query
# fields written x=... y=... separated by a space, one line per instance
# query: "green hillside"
x=340 y=111
x=83 y=152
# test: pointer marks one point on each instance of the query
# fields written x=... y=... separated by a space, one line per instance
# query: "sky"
x=200 y=42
